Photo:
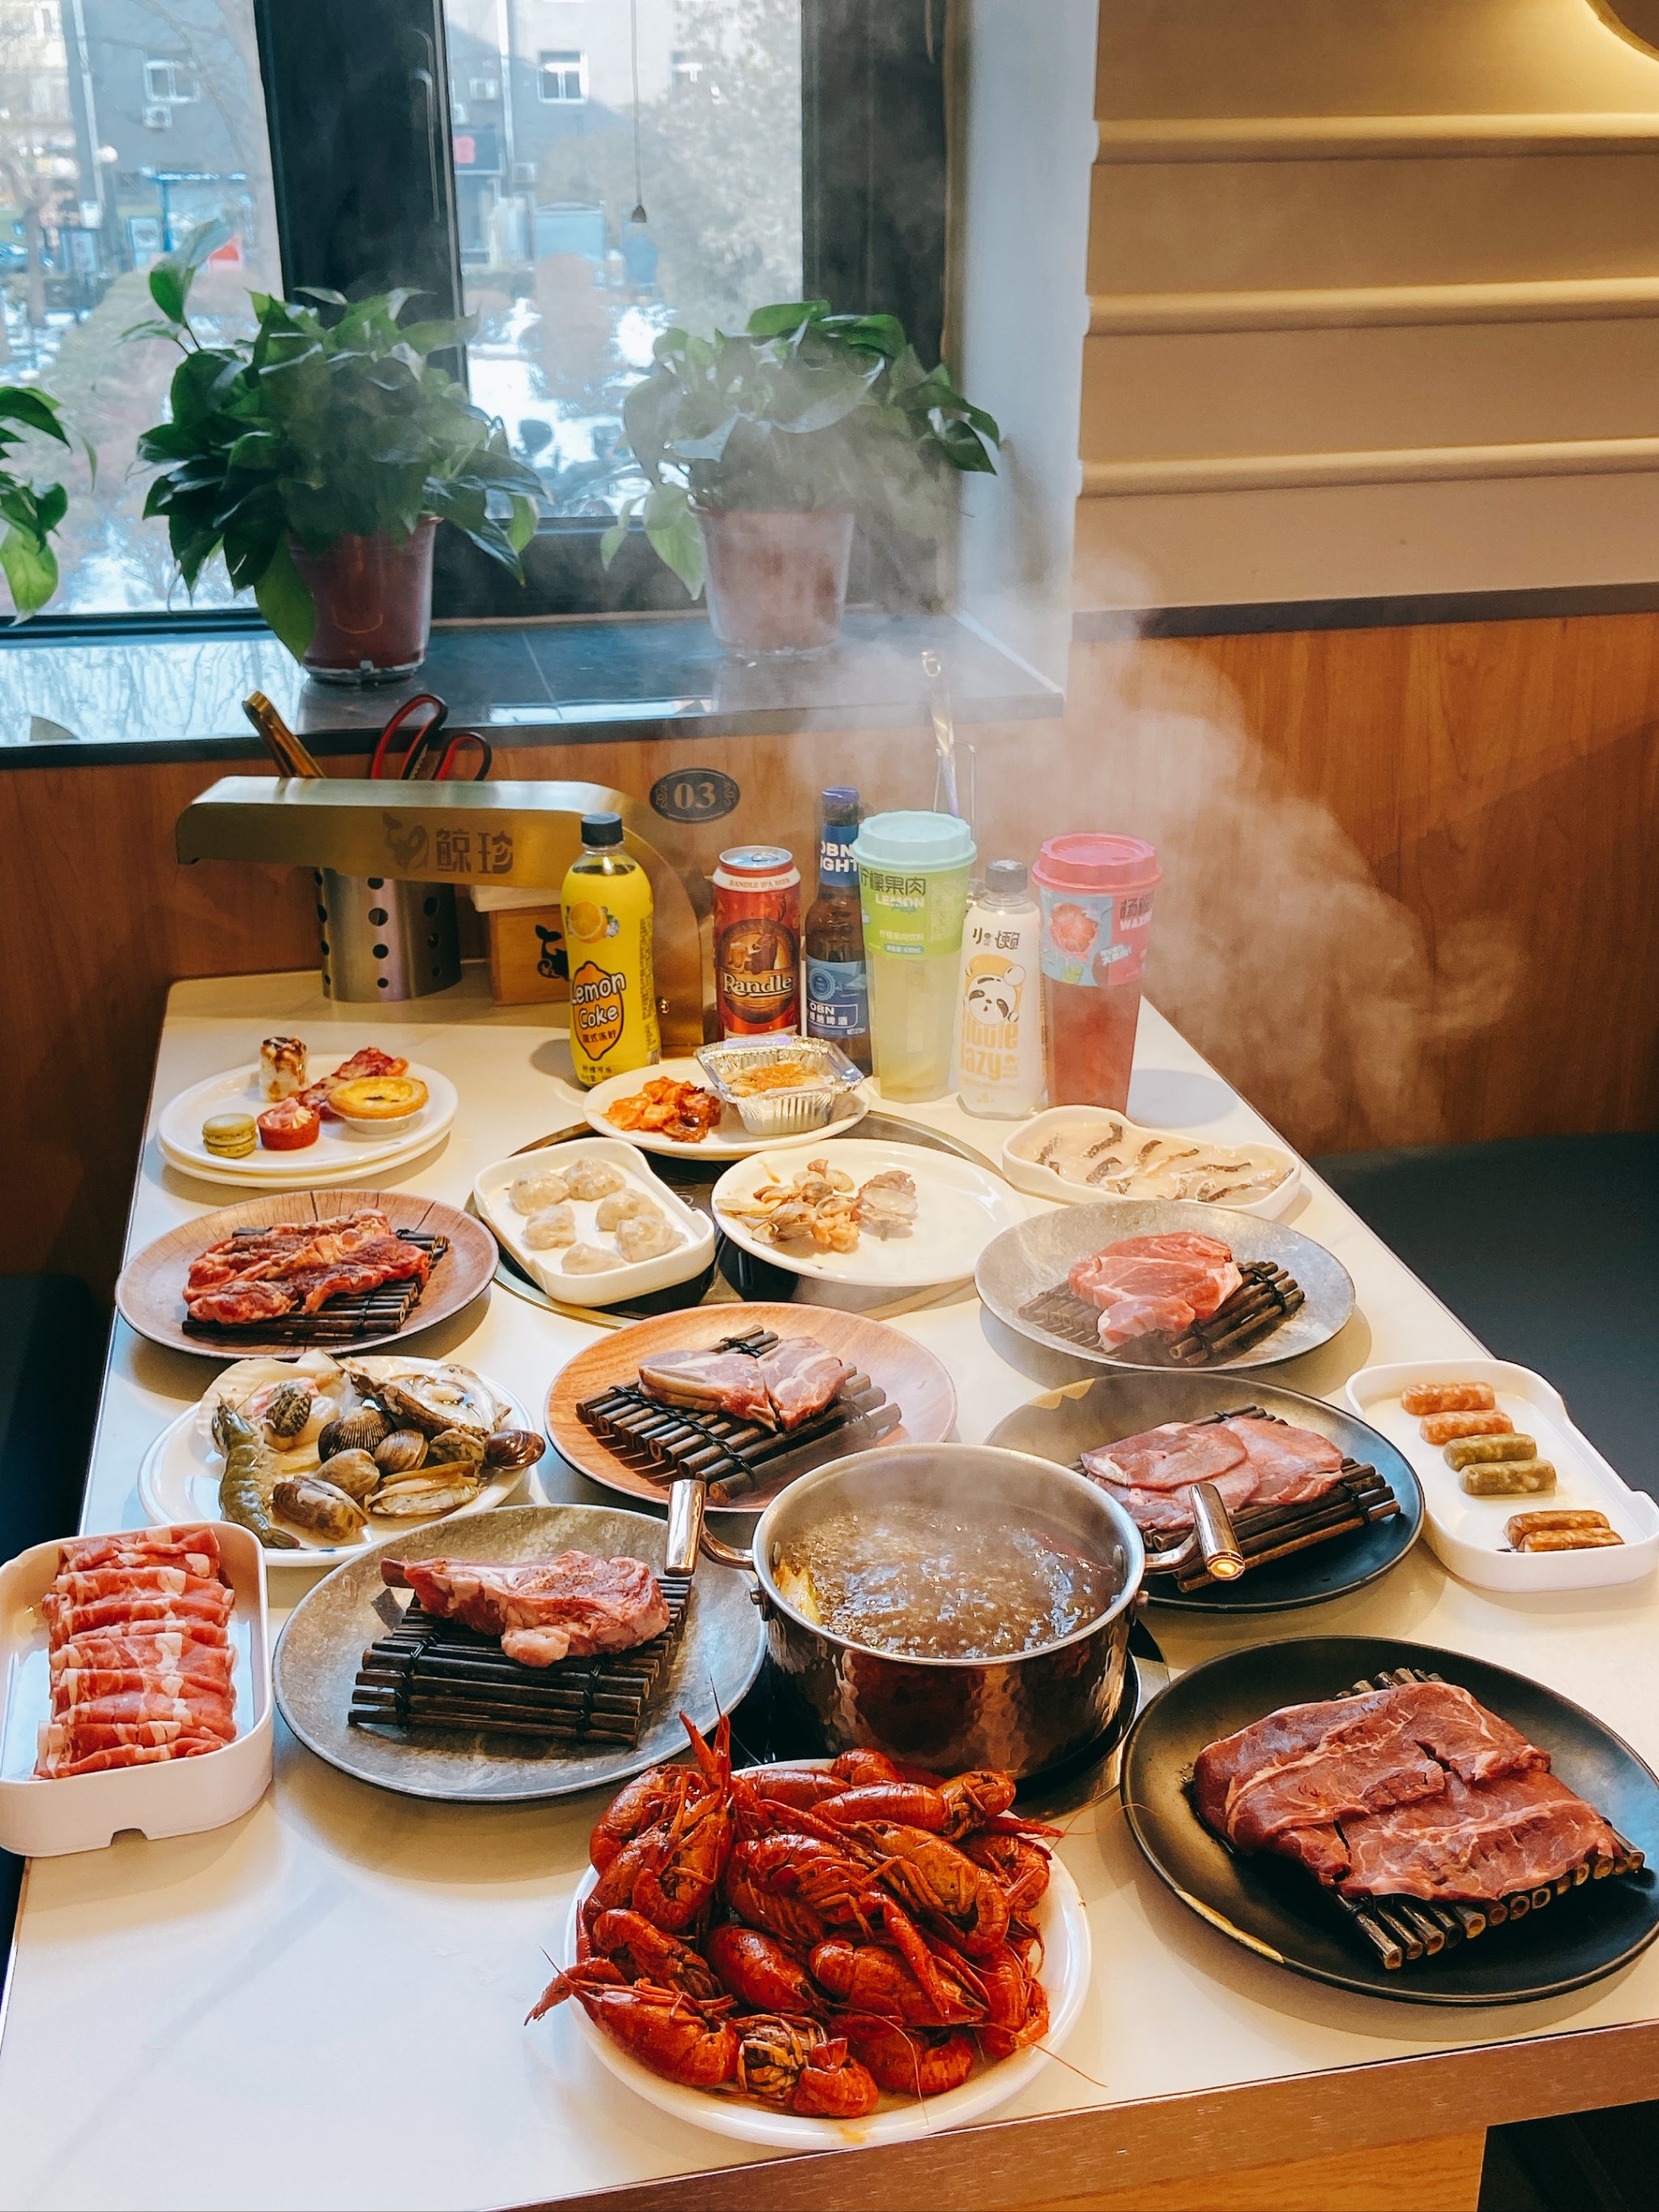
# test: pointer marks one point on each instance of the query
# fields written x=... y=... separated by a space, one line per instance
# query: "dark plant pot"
x=373 y=605
x=777 y=582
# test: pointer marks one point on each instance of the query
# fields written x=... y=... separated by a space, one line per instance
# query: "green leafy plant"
x=30 y=511
x=806 y=408
x=331 y=422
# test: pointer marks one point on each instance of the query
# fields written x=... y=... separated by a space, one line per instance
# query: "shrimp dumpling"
x=589 y=1259
x=622 y=1206
x=590 y=1179
x=537 y=1189
x=643 y=1236
x=552 y=1226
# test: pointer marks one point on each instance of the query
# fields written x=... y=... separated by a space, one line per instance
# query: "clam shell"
x=451 y=1397
x=516 y=1448
x=318 y=1504
x=353 y=1472
x=358 y=1432
x=433 y=1489
x=287 y=1411
x=458 y=1448
x=400 y=1453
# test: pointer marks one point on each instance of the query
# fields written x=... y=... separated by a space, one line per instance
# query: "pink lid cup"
x=1095 y=893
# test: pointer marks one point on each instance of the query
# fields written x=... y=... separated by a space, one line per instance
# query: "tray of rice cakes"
x=1515 y=1497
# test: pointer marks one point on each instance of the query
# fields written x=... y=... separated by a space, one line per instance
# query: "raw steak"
x=801 y=1377
x=1476 y=1843
x=1290 y=1465
x=1154 y=1511
x=719 y=1381
x=1155 y=1286
x=543 y=1610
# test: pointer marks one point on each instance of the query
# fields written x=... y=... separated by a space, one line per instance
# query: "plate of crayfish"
x=821 y=1954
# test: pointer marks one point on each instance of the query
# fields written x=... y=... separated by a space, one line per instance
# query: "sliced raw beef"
x=721 y=1382
x=1310 y=1764
x=801 y=1377
x=1171 y=1457
x=1156 y=1512
x=1476 y=1843
x=1155 y=1286
x=1291 y=1465
x=543 y=1610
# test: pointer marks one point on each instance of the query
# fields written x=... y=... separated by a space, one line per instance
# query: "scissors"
x=426 y=742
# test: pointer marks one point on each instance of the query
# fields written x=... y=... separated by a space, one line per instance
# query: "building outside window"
x=564 y=77
x=170 y=81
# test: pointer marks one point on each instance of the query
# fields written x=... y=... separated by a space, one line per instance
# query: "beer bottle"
x=837 y=979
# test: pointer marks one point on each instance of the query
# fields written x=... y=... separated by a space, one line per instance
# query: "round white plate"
x=1067 y=1958
x=179 y=1479
x=339 y=1155
x=960 y=1209
x=729 y=1141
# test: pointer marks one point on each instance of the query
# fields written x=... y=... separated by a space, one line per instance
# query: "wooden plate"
x=1278 y=1911
x=910 y=1375
x=150 y=1293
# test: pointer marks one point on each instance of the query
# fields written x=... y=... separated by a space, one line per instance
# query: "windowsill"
x=160 y=697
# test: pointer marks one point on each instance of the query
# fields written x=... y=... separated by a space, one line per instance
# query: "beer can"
x=757 y=941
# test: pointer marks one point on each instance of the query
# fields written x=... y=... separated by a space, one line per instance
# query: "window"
x=458 y=156
x=563 y=79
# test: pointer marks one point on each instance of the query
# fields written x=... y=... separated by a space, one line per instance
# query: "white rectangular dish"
x=1171 y=1167
x=43 y=1818
x=1468 y=1533
x=546 y=1265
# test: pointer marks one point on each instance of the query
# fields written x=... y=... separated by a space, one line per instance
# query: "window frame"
x=873 y=238
x=558 y=62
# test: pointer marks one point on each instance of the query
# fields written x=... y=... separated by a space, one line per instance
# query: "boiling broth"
x=933 y=1584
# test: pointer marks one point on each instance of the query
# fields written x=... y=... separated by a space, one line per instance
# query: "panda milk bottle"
x=999 y=1016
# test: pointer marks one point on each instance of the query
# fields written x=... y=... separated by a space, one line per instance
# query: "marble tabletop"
x=323 y=2003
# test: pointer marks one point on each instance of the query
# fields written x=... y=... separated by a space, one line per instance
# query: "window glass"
x=591 y=220
x=122 y=125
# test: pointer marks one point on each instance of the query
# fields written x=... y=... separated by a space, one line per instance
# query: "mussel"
x=317 y=1504
x=433 y=1489
x=358 y=1432
x=287 y=1410
x=450 y=1397
x=357 y=1472
x=400 y=1453
x=457 y=1447
x=514 y=1449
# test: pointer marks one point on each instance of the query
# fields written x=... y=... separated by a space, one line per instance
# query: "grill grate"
x=733 y=1456
x=1266 y=1296
x=363 y=1313
x=1274 y=1532
x=436 y=1674
x=1403 y=1930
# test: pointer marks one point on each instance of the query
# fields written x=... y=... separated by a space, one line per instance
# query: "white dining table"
x=323 y=2003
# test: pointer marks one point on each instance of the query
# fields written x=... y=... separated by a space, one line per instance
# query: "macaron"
x=229 y=1136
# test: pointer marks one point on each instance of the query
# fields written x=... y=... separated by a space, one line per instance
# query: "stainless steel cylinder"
x=382 y=939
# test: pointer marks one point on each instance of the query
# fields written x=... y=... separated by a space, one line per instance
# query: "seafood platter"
x=1080 y=1153
x=1159 y=1283
x=276 y=1274
x=135 y=1687
x=732 y=1099
x=867 y=1214
x=591 y=1223
x=1306 y=1503
x=526 y=1654
x=319 y=1458
x=286 y=1120
x=848 y=1952
x=1398 y=1819
x=745 y=1398
x=1517 y=1497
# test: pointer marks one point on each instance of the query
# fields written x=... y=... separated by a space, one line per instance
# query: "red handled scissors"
x=426 y=743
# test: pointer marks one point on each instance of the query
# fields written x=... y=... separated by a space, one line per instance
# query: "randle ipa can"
x=757 y=941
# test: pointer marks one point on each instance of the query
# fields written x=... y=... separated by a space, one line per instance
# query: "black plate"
x=1063 y=1425
x=1277 y=1910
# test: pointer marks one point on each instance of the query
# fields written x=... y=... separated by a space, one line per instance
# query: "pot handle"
x=1213 y=1540
x=688 y=1499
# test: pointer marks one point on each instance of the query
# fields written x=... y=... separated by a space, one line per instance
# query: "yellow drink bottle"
x=607 y=903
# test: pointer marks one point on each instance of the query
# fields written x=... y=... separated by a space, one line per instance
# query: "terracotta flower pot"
x=373 y=605
x=776 y=582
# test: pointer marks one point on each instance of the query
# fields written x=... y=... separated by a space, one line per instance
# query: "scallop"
x=455 y=1447
x=358 y=1432
x=638 y=1238
x=400 y=1453
x=624 y=1205
x=553 y=1226
x=590 y=1179
x=356 y=1473
x=537 y=1188
x=589 y=1259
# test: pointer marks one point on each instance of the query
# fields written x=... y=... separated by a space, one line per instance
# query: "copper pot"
x=373 y=600
x=776 y=582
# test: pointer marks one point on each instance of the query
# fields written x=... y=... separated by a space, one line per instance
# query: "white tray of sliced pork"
x=1517 y=1498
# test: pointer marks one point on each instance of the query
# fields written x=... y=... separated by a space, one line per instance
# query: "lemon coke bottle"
x=606 y=899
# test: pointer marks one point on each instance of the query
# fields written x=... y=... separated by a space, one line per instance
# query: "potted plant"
x=30 y=511
x=319 y=456
x=764 y=449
